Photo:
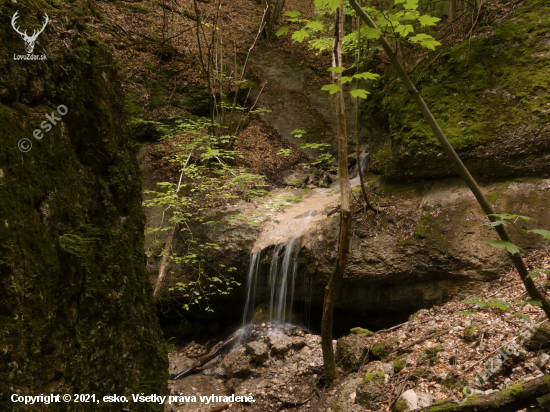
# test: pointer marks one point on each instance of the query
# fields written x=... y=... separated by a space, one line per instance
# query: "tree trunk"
x=520 y=396
x=164 y=260
x=333 y=287
x=516 y=258
x=452 y=9
x=266 y=6
x=277 y=12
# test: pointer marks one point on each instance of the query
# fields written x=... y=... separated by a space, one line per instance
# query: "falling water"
x=283 y=272
x=281 y=280
x=251 y=285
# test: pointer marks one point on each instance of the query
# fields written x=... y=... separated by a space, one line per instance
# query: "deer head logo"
x=29 y=40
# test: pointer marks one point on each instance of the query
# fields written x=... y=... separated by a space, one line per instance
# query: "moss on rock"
x=77 y=316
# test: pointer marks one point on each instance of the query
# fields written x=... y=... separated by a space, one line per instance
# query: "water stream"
x=282 y=275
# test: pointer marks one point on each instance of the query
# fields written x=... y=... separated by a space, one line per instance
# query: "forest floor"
x=437 y=353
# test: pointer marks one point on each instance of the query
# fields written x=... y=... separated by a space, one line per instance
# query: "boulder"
x=382 y=349
x=297 y=179
x=280 y=345
x=258 y=351
x=346 y=400
x=236 y=365
x=408 y=401
x=371 y=394
x=425 y=400
x=352 y=350
x=539 y=339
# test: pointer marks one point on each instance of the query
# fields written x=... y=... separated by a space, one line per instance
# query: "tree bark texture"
x=332 y=289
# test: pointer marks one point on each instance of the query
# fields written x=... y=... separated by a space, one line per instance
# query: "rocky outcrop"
x=490 y=103
x=77 y=314
x=393 y=273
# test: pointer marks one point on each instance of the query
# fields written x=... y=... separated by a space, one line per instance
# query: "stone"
x=352 y=350
x=258 y=351
x=280 y=345
x=297 y=179
x=425 y=400
x=233 y=384
x=542 y=360
x=383 y=348
x=346 y=400
x=236 y=365
x=411 y=400
x=539 y=339
x=298 y=342
x=370 y=395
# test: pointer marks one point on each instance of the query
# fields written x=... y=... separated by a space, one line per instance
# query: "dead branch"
x=215 y=351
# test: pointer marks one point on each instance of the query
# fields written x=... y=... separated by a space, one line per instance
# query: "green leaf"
x=477 y=301
x=282 y=30
x=411 y=4
x=293 y=13
x=533 y=275
x=334 y=4
x=510 y=247
x=372 y=33
x=331 y=88
x=522 y=316
x=337 y=69
x=300 y=35
x=534 y=302
x=367 y=76
x=425 y=41
x=466 y=312
x=544 y=233
x=359 y=93
x=315 y=25
x=500 y=304
x=427 y=20
x=345 y=79
x=404 y=29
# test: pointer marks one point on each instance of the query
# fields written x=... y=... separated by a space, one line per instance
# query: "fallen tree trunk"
x=215 y=351
x=516 y=397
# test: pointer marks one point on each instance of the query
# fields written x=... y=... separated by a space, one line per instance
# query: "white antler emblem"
x=29 y=41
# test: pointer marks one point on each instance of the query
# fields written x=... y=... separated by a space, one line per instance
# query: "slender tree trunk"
x=516 y=258
x=277 y=12
x=452 y=9
x=164 y=260
x=333 y=287
x=266 y=6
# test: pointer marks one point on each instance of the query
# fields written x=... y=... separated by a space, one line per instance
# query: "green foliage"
x=284 y=152
x=396 y=24
x=324 y=159
x=208 y=180
x=510 y=247
x=483 y=303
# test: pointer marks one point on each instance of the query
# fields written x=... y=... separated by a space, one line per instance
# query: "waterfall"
x=281 y=281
